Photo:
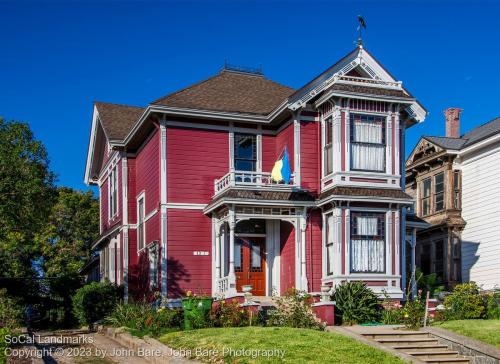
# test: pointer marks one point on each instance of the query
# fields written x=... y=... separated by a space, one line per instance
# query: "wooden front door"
x=250 y=264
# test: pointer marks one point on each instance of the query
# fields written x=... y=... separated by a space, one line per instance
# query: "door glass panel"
x=237 y=256
x=256 y=263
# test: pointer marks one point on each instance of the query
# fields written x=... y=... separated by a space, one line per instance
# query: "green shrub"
x=293 y=309
x=465 y=302
x=11 y=313
x=142 y=319
x=392 y=315
x=3 y=345
x=355 y=303
x=493 y=305
x=414 y=313
x=94 y=301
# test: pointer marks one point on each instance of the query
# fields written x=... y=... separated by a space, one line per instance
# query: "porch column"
x=217 y=255
x=232 y=276
x=413 y=243
x=303 y=271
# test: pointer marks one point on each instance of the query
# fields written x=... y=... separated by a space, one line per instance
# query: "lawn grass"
x=299 y=345
x=487 y=331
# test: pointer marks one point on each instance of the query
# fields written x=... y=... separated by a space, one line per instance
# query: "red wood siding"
x=314 y=251
x=310 y=155
x=268 y=152
x=189 y=231
x=195 y=158
x=285 y=137
x=287 y=260
x=147 y=174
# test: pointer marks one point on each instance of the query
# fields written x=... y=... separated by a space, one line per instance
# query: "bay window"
x=367 y=143
x=328 y=148
x=426 y=197
x=439 y=192
x=367 y=242
x=329 y=244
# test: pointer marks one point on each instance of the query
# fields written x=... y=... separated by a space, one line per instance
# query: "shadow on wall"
x=469 y=258
x=177 y=274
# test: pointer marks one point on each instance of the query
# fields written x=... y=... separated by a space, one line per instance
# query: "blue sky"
x=56 y=58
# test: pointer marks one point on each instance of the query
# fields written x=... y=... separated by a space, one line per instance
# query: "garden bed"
x=276 y=344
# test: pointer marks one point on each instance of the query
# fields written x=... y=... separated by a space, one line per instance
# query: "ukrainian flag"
x=281 y=171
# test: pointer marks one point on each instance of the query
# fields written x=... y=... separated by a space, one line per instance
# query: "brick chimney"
x=452 y=116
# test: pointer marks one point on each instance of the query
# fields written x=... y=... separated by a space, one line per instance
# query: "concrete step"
x=426 y=354
x=396 y=334
x=426 y=347
x=446 y=361
x=407 y=341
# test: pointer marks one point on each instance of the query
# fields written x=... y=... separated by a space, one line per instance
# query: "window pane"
x=243 y=165
x=367 y=255
x=439 y=182
x=368 y=157
x=426 y=207
x=329 y=259
x=256 y=259
x=245 y=152
x=237 y=256
x=328 y=159
x=329 y=229
x=367 y=131
x=329 y=131
x=426 y=189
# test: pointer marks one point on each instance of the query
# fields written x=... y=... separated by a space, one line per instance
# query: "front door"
x=249 y=264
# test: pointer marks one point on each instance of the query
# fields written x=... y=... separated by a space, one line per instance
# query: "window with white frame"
x=367 y=242
x=328 y=147
x=367 y=143
x=113 y=192
x=245 y=152
x=141 y=233
x=153 y=265
x=329 y=244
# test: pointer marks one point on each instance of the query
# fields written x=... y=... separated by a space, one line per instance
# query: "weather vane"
x=361 y=25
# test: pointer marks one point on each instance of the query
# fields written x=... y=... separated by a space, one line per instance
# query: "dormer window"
x=367 y=143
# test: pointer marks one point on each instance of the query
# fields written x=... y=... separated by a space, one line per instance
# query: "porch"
x=259 y=246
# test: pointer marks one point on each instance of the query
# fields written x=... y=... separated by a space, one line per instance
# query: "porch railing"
x=223 y=285
x=249 y=179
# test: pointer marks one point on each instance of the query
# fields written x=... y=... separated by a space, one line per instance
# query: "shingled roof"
x=364 y=192
x=117 y=120
x=475 y=135
x=230 y=91
x=370 y=90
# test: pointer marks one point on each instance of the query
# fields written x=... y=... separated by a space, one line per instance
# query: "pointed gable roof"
x=117 y=120
x=230 y=91
x=446 y=142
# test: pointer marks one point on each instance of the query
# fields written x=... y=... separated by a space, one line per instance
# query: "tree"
x=65 y=241
x=26 y=195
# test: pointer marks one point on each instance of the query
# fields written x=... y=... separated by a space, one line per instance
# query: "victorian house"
x=452 y=179
x=188 y=200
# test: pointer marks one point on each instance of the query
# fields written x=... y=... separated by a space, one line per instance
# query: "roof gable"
x=375 y=80
x=230 y=91
x=447 y=142
x=423 y=150
x=117 y=120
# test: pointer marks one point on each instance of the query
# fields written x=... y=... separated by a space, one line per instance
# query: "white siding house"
x=480 y=165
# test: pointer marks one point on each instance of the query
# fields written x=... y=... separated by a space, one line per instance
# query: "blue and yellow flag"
x=281 y=171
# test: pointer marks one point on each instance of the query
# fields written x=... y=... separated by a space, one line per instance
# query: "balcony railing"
x=249 y=179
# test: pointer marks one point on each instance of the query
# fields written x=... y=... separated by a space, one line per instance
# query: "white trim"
x=125 y=225
x=150 y=214
x=296 y=148
x=113 y=177
x=184 y=124
x=163 y=209
x=185 y=205
x=90 y=151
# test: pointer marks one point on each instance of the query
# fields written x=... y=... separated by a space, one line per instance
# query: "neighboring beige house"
x=454 y=180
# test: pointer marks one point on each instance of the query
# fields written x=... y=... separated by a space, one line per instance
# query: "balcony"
x=249 y=179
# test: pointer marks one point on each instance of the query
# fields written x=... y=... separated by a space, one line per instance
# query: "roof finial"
x=361 y=25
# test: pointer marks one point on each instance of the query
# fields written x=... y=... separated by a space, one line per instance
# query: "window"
x=367 y=242
x=426 y=194
x=141 y=236
x=329 y=244
x=328 y=149
x=367 y=143
x=245 y=152
x=456 y=189
x=439 y=192
x=113 y=192
x=153 y=265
